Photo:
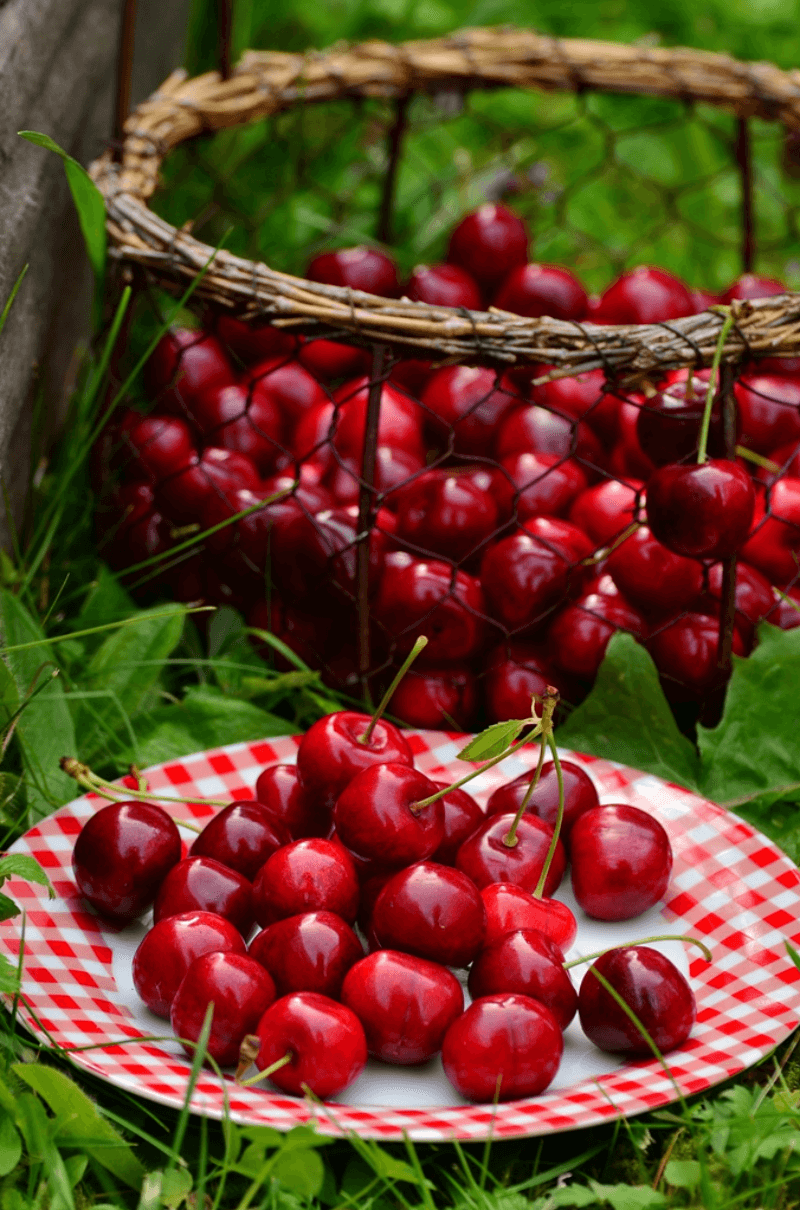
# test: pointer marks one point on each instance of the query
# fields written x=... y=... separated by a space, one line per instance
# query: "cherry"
x=462 y=814
x=644 y=296
x=606 y=509
x=334 y=750
x=328 y=359
x=311 y=951
x=121 y=856
x=325 y=1040
x=754 y=598
x=184 y=362
x=509 y=908
x=703 y=299
x=786 y=614
x=580 y=795
x=703 y=511
x=251 y=341
x=628 y=460
x=160 y=445
x=431 y=598
x=444 y=286
x=311 y=440
x=394 y=468
x=399 y=422
x=377 y=815
x=668 y=424
x=753 y=285
x=446 y=514
x=527 y=573
x=515 y=673
x=185 y=496
x=502 y=1048
x=485 y=857
x=251 y=534
x=432 y=911
x=580 y=633
x=405 y=1004
x=654 y=990
x=529 y=963
x=205 y=885
x=582 y=396
x=361 y=268
x=311 y=551
x=306 y=876
x=287 y=384
x=307 y=635
x=489 y=243
x=241 y=836
x=240 y=990
x=166 y=952
x=245 y=419
x=774 y=545
x=546 y=483
x=621 y=861
x=535 y=290
x=280 y=790
x=464 y=405
x=685 y=653
x=769 y=411
x=410 y=374
x=652 y=577
x=437 y=697
x=533 y=429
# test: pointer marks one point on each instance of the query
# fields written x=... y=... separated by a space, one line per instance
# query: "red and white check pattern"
x=731 y=887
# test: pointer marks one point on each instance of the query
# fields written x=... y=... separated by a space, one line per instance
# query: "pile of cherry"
x=518 y=526
x=354 y=836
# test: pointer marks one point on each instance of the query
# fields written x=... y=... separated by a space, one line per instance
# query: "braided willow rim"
x=267 y=83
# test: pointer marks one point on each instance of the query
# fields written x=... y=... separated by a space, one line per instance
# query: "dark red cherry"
x=325 y=1040
x=774 y=543
x=621 y=861
x=399 y=422
x=122 y=855
x=307 y=634
x=185 y=361
x=184 y=497
x=377 y=816
x=394 y=468
x=446 y=514
x=160 y=446
x=444 y=286
x=287 y=385
x=311 y=951
x=685 y=651
x=502 y=1048
x=668 y=424
x=606 y=509
x=462 y=814
x=535 y=290
x=306 y=876
x=644 y=296
x=769 y=411
x=701 y=511
x=583 y=396
x=753 y=285
x=786 y=613
x=361 y=268
x=310 y=553
x=754 y=597
x=580 y=633
x=489 y=243
x=331 y=753
x=279 y=789
x=432 y=911
x=329 y=359
x=509 y=908
x=545 y=483
x=252 y=341
x=245 y=419
x=654 y=990
x=515 y=673
x=166 y=952
x=437 y=697
x=529 y=963
x=405 y=1004
x=533 y=429
x=653 y=577
x=485 y=857
x=580 y=795
x=628 y=460
x=242 y=836
x=463 y=406
x=241 y=992
x=205 y=885
x=430 y=597
x=527 y=573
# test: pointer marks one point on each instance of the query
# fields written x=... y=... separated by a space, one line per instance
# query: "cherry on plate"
x=306 y=876
x=205 y=885
x=621 y=861
x=529 y=963
x=240 y=990
x=122 y=855
x=509 y=908
x=504 y=1047
x=309 y=952
x=377 y=815
x=580 y=795
x=432 y=911
x=654 y=990
x=485 y=857
x=334 y=750
x=166 y=952
x=242 y=836
x=324 y=1039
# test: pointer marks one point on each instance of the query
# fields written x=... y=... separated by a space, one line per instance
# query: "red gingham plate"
x=731 y=887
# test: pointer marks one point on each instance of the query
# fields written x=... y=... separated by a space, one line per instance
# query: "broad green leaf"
x=755 y=748
x=127 y=662
x=23 y=866
x=10 y=1146
x=629 y=1197
x=492 y=741
x=571 y=1195
x=106 y=601
x=176 y=1185
x=75 y=1166
x=683 y=1173
x=206 y=718
x=87 y=198
x=301 y=1171
x=82 y=1119
x=626 y=718
x=44 y=728
x=9 y=979
x=8 y=908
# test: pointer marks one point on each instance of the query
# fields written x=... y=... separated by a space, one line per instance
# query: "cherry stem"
x=605 y=551
x=84 y=776
x=751 y=456
x=416 y=807
x=268 y=1071
x=551 y=852
x=549 y=703
x=702 y=445
x=420 y=644
x=136 y=774
x=631 y=1015
x=642 y=941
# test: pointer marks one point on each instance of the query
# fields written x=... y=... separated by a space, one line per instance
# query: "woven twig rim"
x=266 y=83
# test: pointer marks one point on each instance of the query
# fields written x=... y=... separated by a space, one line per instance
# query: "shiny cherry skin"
x=159 y=446
x=754 y=598
x=446 y=514
x=769 y=411
x=287 y=385
x=183 y=497
x=427 y=596
x=377 y=817
x=644 y=296
x=394 y=468
x=250 y=341
x=329 y=359
x=529 y=963
x=580 y=795
x=361 y=268
x=786 y=614
x=504 y=1047
x=527 y=573
x=311 y=951
x=242 y=836
x=432 y=911
x=703 y=512
x=485 y=857
x=306 y=876
x=774 y=544
x=463 y=406
x=627 y=459
x=668 y=424
x=399 y=422
x=331 y=753
x=703 y=299
x=185 y=361
x=580 y=633
x=753 y=285
x=311 y=553
x=489 y=243
x=405 y=1004
x=621 y=861
x=307 y=635
x=205 y=885
x=509 y=908
x=325 y=1039
x=280 y=791
x=241 y=992
x=685 y=652
x=444 y=286
x=534 y=429
x=535 y=290
x=583 y=397
x=122 y=855
x=544 y=483
x=515 y=673
x=431 y=698
x=652 y=577
x=655 y=991
x=462 y=814
x=166 y=952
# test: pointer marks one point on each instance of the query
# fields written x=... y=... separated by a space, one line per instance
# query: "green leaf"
x=106 y=601
x=87 y=198
x=571 y=1195
x=24 y=867
x=628 y=1197
x=206 y=718
x=82 y=1119
x=44 y=729
x=683 y=1173
x=9 y=979
x=755 y=748
x=626 y=718
x=8 y=908
x=176 y=1185
x=127 y=662
x=492 y=741
x=300 y=1171
x=10 y=1146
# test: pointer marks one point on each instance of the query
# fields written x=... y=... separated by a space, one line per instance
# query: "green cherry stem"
x=549 y=703
x=548 y=861
x=643 y=941
x=84 y=776
x=416 y=807
x=267 y=1071
x=702 y=445
x=420 y=644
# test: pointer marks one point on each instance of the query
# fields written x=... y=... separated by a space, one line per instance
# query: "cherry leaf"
x=493 y=740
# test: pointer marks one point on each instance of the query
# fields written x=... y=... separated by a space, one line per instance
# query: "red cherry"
x=462 y=814
x=580 y=795
x=702 y=511
x=485 y=857
x=535 y=290
x=446 y=514
x=279 y=789
x=311 y=551
x=250 y=341
x=311 y=440
x=185 y=497
x=160 y=446
x=287 y=385
x=328 y=359
x=529 y=963
x=515 y=673
x=464 y=405
x=436 y=697
x=583 y=396
x=508 y=908
x=242 y=836
x=432 y=598
x=525 y=575
x=240 y=991
x=489 y=243
x=325 y=1039
x=444 y=286
x=166 y=952
x=769 y=411
x=606 y=509
x=685 y=653
x=702 y=300
x=311 y=951
x=545 y=483
x=621 y=861
x=753 y=285
x=580 y=633
x=654 y=990
x=502 y=1048
x=644 y=296
x=361 y=268
x=533 y=429
x=652 y=577
x=306 y=876
x=774 y=544
x=307 y=635
x=122 y=854
x=376 y=815
x=786 y=613
x=205 y=885
x=394 y=468
x=245 y=419
x=185 y=361
x=331 y=753
x=754 y=597
x=405 y=1004
x=628 y=460
x=668 y=424
x=432 y=911
x=399 y=422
